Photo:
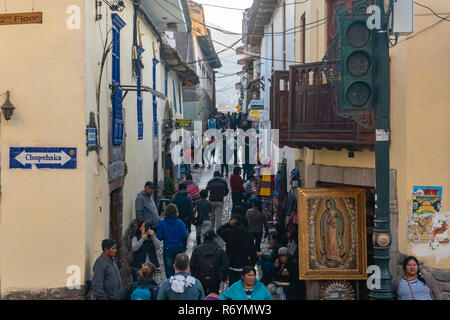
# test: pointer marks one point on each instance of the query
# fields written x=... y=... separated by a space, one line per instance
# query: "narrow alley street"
x=201 y=176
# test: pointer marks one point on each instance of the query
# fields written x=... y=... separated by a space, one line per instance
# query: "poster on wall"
x=426 y=224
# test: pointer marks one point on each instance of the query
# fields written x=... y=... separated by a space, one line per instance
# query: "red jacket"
x=236 y=183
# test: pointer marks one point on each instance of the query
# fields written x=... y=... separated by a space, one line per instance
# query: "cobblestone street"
x=201 y=176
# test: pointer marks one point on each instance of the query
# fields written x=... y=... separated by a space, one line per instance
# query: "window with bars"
x=117 y=114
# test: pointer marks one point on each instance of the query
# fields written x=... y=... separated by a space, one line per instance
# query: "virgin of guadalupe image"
x=332 y=235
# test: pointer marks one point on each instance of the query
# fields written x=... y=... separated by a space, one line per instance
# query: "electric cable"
x=231 y=8
x=443 y=18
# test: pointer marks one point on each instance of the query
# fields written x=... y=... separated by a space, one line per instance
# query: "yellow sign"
x=238 y=107
x=255 y=115
x=20 y=18
x=183 y=122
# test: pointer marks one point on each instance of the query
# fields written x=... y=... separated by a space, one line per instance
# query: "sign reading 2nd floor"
x=42 y=158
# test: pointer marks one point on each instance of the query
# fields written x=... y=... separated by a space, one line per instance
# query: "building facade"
x=332 y=151
x=86 y=66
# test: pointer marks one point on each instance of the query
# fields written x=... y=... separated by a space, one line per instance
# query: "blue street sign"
x=42 y=158
x=91 y=134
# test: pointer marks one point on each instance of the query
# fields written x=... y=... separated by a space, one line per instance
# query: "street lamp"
x=7 y=108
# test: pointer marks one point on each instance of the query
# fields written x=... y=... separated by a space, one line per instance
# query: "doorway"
x=116 y=217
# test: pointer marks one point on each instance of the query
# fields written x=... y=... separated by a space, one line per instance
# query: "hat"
x=237 y=216
x=283 y=251
x=212 y=296
x=295 y=175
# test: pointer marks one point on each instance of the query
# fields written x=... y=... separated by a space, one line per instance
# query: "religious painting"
x=332 y=234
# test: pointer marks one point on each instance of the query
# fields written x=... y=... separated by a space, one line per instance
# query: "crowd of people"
x=199 y=277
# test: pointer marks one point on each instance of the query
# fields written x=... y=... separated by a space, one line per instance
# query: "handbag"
x=410 y=289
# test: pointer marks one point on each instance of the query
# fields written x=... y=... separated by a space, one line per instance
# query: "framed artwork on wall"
x=332 y=234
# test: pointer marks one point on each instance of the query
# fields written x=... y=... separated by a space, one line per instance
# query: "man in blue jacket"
x=172 y=231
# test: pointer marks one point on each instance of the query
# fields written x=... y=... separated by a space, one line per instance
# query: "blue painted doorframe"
x=117 y=115
x=155 y=105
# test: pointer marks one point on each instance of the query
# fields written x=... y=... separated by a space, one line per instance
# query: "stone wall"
x=441 y=277
x=47 y=294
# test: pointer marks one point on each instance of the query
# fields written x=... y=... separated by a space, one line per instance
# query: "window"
x=140 y=120
x=179 y=97
x=174 y=96
x=117 y=116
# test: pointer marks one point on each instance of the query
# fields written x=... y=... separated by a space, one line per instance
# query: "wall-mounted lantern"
x=7 y=108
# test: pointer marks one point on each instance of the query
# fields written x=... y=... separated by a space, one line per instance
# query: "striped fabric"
x=192 y=189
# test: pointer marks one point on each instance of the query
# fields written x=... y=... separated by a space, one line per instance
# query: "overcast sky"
x=230 y=20
x=227 y=19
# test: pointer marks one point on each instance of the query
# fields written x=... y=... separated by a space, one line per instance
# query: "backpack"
x=141 y=293
x=208 y=265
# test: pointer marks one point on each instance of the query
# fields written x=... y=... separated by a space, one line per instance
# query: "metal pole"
x=382 y=236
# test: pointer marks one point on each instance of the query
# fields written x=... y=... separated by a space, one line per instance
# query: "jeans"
x=169 y=255
x=237 y=198
x=223 y=167
x=216 y=215
x=186 y=169
x=134 y=272
x=234 y=276
x=266 y=268
x=256 y=237
x=203 y=228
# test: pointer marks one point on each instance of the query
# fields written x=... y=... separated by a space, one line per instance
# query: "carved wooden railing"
x=303 y=108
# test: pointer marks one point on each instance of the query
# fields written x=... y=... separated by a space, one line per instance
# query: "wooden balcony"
x=303 y=108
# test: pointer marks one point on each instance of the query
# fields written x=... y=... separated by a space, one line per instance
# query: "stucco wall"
x=42 y=229
x=419 y=116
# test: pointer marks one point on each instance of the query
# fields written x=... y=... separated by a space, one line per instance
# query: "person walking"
x=202 y=212
x=181 y=286
x=145 y=206
x=144 y=288
x=217 y=189
x=172 y=231
x=106 y=282
x=191 y=187
x=144 y=245
x=237 y=187
x=224 y=165
x=183 y=201
x=413 y=284
x=239 y=246
x=247 y=288
x=257 y=220
x=209 y=264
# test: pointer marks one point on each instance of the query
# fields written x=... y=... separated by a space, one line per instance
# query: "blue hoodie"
x=172 y=231
x=236 y=292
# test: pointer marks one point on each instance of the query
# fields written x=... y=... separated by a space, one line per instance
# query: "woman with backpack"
x=145 y=288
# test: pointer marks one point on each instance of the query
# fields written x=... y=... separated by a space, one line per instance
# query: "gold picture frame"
x=332 y=234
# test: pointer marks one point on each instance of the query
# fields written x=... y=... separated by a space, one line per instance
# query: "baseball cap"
x=283 y=251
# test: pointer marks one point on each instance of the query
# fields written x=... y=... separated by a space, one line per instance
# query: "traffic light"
x=356 y=65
